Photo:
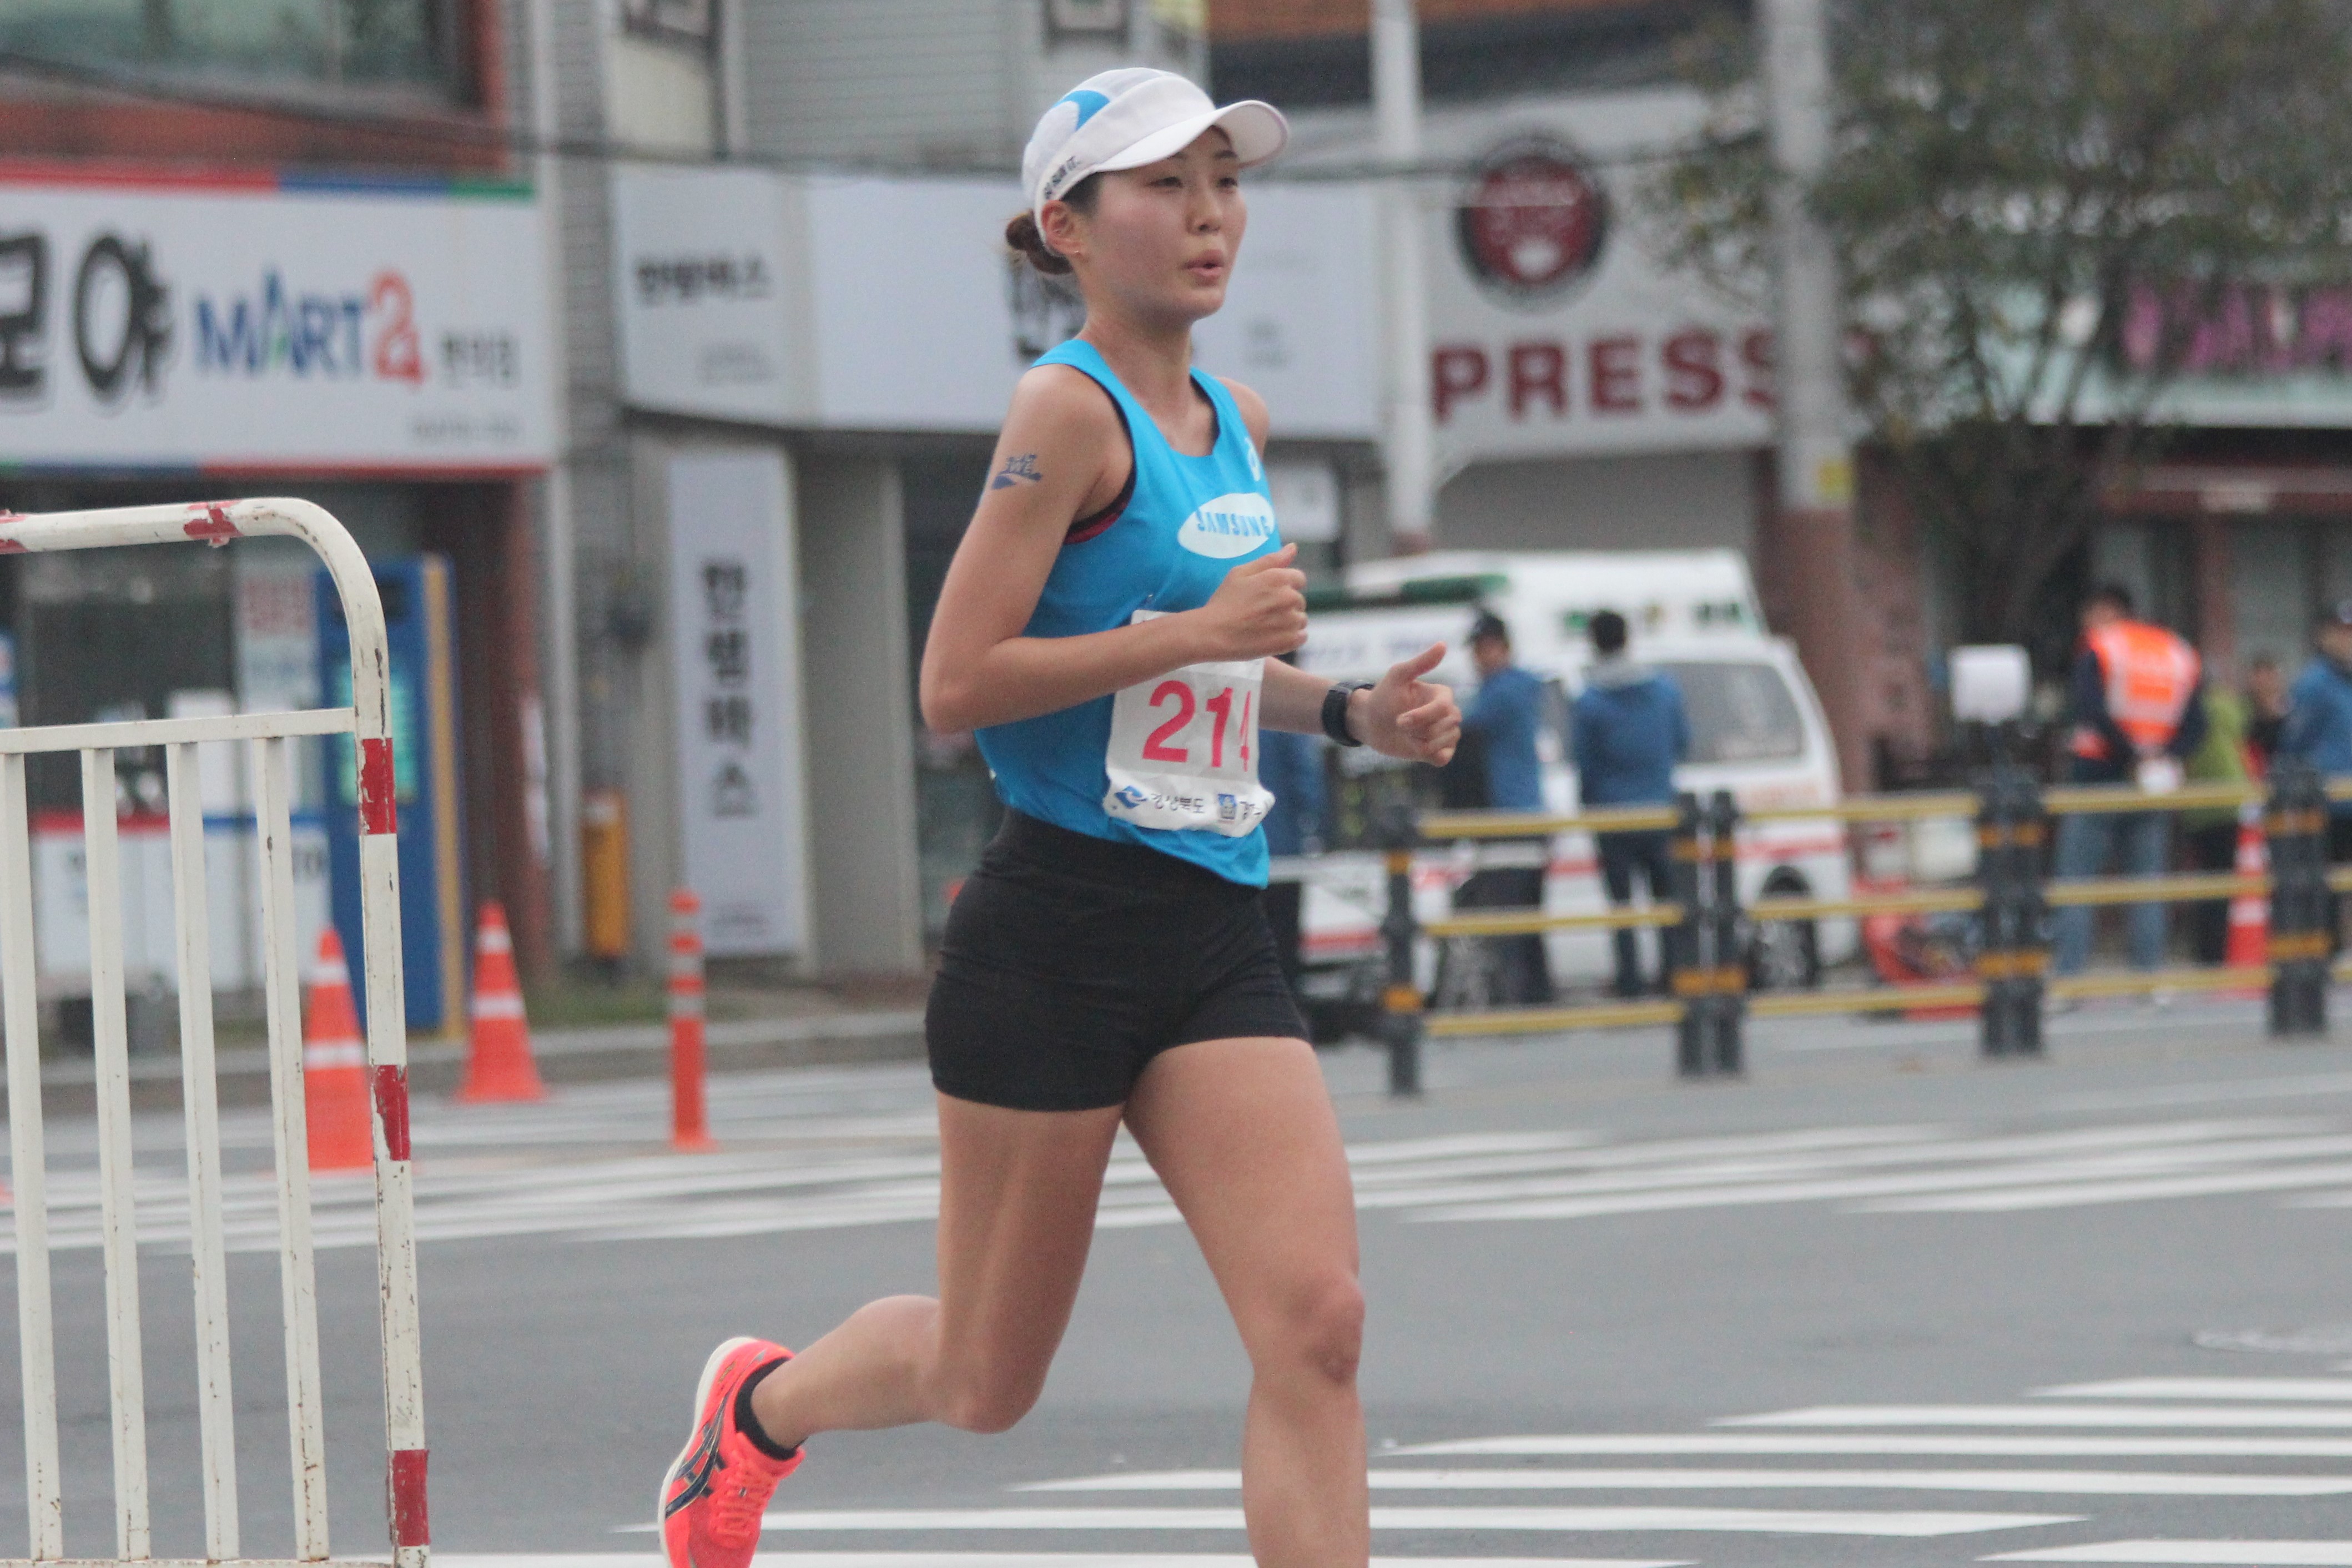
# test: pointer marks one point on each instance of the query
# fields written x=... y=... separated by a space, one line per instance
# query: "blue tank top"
x=1148 y=555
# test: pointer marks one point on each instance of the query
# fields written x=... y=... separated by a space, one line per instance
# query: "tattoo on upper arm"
x=1021 y=470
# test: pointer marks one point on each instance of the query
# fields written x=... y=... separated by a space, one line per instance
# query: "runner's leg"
x=1018 y=1190
x=1243 y=1133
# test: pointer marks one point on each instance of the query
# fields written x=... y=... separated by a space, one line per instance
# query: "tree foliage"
x=2037 y=205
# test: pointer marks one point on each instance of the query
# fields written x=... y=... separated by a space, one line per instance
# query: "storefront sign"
x=871 y=304
x=1534 y=223
x=2252 y=355
x=703 y=278
x=270 y=324
x=1556 y=329
x=734 y=646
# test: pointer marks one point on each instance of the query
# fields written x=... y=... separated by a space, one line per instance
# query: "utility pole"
x=560 y=621
x=1816 y=457
x=1406 y=443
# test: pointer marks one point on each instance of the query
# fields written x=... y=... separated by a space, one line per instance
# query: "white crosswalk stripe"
x=2180 y=1415
x=1541 y=1521
x=2070 y=1483
x=1603 y=1501
x=2217 y=1553
x=827 y=1151
x=1755 y=1445
x=1008 y=1559
x=2311 y=1388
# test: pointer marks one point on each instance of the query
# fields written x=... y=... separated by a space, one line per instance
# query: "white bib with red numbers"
x=1183 y=749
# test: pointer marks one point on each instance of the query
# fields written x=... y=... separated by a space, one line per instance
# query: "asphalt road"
x=1813 y=1317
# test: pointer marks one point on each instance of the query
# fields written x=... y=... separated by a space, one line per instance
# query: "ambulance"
x=1757 y=730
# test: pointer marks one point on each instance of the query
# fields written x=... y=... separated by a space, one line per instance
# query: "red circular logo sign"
x=1534 y=221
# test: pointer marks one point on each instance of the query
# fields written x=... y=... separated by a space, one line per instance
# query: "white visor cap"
x=1127 y=118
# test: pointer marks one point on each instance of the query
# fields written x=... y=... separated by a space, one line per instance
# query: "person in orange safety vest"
x=2138 y=711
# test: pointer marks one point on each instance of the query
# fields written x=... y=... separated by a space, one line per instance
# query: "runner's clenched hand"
x=1259 y=610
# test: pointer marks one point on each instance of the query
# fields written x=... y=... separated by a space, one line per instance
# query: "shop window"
x=2271 y=586
x=112 y=636
x=412 y=46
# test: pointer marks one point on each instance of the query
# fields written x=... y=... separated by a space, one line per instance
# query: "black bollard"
x=1400 y=1005
x=2013 y=953
x=2302 y=911
x=1687 y=974
x=1730 y=1002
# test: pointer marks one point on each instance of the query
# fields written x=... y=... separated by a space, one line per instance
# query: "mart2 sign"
x=270 y=325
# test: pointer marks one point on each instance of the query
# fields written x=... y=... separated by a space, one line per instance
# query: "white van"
x=1757 y=730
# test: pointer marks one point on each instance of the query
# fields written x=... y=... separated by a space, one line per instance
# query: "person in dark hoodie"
x=1628 y=730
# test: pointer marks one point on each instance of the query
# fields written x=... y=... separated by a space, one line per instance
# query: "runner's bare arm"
x=1063 y=454
x=1403 y=716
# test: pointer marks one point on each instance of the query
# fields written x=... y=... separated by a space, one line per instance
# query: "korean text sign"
x=267 y=324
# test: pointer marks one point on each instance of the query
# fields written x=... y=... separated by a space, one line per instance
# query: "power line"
x=517 y=144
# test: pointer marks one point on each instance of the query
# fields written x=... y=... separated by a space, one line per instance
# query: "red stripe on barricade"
x=379 y=813
x=211 y=523
x=410 y=1526
x=392 y=1108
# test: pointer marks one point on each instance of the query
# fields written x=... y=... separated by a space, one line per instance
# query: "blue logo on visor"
x=1089 y=103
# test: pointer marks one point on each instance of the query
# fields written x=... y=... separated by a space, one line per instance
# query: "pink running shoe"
x=715 y=1492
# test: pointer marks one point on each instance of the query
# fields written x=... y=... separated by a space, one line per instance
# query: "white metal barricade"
x=369 y=720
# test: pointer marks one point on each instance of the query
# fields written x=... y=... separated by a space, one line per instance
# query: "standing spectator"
x=2266 y=705
x=2210 y=833
x=2138 y=711
x=2319 y=722
x=1628 y=730
x=1505 y=717
x=1291 y=765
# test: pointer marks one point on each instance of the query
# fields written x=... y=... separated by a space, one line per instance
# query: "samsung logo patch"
x=1229 y=525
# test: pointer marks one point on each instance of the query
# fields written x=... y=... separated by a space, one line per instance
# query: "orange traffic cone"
x=2249 y=914
x=335 y=1067
x=498 y=1064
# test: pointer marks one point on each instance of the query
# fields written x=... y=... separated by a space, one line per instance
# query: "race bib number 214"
x=1183 y=750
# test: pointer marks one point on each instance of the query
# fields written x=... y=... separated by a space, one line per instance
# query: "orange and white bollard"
x=689 y=1118
x=2249 y=912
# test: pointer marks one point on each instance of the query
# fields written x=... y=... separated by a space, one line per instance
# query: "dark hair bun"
x=1022 y=236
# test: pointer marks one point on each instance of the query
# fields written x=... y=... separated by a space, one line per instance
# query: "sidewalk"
x=795 y=1026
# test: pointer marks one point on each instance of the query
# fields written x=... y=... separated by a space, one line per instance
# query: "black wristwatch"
x=1335 y=710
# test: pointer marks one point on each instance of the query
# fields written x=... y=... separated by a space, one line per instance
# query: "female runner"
x=1107 y=627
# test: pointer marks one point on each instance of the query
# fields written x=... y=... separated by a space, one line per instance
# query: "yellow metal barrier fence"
x=1704 y=923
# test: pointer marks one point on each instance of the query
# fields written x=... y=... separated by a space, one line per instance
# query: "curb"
x=564 y=1056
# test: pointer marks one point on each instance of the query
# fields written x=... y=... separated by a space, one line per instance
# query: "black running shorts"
x=1071 y=961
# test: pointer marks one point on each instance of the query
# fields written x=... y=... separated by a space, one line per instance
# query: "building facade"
x=272 y=253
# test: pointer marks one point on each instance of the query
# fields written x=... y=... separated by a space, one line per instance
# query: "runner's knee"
x=1320 y=1330
x=987 y=1399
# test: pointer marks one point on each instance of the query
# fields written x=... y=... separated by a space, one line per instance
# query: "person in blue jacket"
x=1501 y=724
x=2318 y=726
x=1627 y=730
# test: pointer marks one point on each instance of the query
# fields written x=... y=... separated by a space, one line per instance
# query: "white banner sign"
x=705 y=286
x=274 y=326
x=870 y=304
x=734 y=644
